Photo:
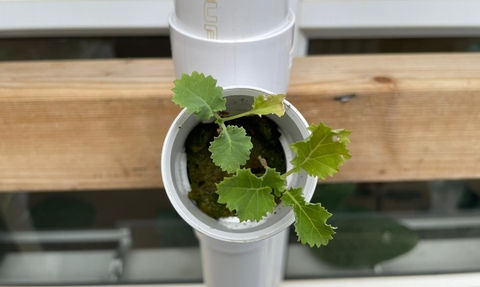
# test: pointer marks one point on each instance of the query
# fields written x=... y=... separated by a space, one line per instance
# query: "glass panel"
x=30 y=49
x=134 y=236
x=395 y=229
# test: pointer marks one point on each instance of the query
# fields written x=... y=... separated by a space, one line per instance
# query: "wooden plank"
x=82 y=125
x=413 y=117
x=101 y=124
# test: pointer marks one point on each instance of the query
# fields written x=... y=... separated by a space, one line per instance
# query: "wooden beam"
x=101 y=124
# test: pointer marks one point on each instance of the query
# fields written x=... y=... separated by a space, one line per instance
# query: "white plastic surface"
x=230 y=19
x=255 y=264
x=258 y=62
x=435 y=280
x=240 y=43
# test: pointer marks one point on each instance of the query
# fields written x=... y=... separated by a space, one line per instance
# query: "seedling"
x=252 y=197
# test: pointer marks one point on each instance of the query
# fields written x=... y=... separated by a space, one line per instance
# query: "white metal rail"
x=315 y=18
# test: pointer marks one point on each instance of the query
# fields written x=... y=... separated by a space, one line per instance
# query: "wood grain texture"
x=101 y=124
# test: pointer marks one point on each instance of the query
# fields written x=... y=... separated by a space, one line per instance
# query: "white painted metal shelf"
x=315 y=18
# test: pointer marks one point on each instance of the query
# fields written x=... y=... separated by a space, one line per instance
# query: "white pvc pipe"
x=255 y=264
x=240 y=43
x=230 y=19
x=256 y=53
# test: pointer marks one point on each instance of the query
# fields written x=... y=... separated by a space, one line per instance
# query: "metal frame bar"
x=84 y=18
x=316 y=18
x=390 y=18
x=119 y=235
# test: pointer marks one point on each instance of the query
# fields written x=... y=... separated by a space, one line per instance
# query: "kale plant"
x=253 y=197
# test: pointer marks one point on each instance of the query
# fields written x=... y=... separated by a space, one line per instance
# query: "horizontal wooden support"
x=101 y=124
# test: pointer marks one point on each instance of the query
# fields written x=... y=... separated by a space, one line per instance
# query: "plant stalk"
x=237 y=116
x=285 y=175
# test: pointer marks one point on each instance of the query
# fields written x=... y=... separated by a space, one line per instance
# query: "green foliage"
x=253 y=197
x=310 y=219
x=274 y=180
x=199 y=94
x=322 y=152
x=365 y=242
x=269 y=104
x=231 y=148
x=333 y=196
x=249 y=195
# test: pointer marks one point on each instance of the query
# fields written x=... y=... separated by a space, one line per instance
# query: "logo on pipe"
x=209 y=9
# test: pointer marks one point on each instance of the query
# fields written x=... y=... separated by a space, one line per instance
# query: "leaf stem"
x=237 y=116
x=224 y=128
x=221 y=123
x=285 y=175
x=219 y=120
